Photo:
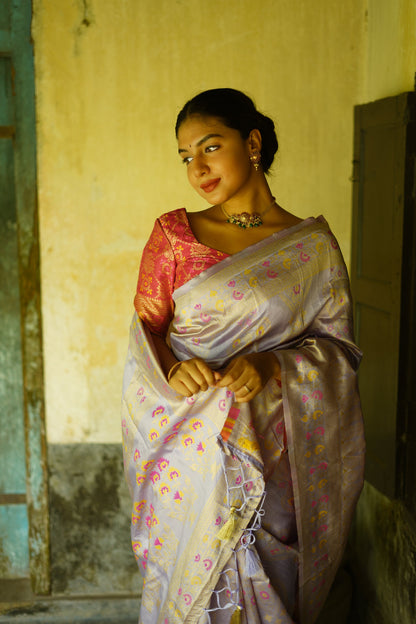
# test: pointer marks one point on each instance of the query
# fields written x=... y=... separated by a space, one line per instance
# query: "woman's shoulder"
x=173 y=216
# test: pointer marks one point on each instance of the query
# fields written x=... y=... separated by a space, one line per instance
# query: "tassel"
x=227 y=529
x=206 y=618
x=236 y=616
x=252 y=563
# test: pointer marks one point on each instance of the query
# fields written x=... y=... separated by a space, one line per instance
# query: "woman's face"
x=216 y=158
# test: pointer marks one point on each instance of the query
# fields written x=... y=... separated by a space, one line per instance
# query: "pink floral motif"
x=238 y=295
x=317 y=394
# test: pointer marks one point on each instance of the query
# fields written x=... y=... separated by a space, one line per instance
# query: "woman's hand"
x=192 y=376
x=246 y=375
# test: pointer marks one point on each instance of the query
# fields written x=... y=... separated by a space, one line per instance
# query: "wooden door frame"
x=17 y=44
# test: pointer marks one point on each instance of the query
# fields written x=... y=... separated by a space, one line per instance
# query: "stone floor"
x=81 y=611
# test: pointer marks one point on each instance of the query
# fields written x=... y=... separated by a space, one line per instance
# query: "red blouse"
x=171 y=257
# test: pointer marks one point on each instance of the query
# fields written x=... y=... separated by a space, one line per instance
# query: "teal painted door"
x=23 y=484
x=14 y=528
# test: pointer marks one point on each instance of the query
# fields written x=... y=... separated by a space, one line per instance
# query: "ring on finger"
x=247 y=388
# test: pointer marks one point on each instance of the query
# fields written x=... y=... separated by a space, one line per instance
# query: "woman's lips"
x=208 y=187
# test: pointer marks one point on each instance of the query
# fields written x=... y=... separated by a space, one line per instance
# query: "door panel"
x=24 y=518
x=383 y=219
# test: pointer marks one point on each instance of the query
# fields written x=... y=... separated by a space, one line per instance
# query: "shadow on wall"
x=383 y=560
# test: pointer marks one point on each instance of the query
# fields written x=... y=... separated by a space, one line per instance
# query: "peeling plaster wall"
x=110 y=78
x=383 y=556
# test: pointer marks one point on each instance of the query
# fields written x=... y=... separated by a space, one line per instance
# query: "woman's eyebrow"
x=201 y=141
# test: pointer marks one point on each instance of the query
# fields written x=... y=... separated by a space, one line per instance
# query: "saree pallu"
x=242 y=510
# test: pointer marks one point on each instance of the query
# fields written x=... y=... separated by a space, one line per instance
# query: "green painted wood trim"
x=5 y=41
x=29 y=268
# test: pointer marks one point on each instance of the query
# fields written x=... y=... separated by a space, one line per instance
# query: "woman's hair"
x=236 y=110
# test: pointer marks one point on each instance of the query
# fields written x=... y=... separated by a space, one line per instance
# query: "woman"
x=242 y=428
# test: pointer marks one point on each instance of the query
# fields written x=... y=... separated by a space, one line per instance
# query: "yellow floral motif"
x=248 y=445
x=313 y=374
x=153 y=434
x=187 y=440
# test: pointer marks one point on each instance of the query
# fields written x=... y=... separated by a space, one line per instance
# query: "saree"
x=241 y=511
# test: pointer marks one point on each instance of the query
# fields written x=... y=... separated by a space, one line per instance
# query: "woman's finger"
x=247 y=391
x=192 y=376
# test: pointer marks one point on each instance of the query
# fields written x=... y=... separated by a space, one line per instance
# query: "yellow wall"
x=111 y=76
x=390 y=48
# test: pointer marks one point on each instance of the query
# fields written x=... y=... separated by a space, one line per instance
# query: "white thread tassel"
x=227 y=529
x=252 y=563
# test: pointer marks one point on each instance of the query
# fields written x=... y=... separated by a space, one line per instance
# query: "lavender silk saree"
x=241 y=511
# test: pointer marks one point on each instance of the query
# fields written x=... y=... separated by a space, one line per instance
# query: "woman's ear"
x=254 y=140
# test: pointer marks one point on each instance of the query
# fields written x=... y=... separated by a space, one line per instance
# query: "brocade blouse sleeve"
x=153 y=300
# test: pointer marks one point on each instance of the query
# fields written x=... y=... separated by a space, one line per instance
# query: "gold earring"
x=255 y=159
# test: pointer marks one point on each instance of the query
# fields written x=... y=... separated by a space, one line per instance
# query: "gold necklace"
x=246 y=220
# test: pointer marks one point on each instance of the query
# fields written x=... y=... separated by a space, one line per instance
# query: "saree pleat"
x=242 y=510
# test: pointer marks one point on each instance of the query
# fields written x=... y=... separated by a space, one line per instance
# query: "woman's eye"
x=211 y=148
x=187 y=160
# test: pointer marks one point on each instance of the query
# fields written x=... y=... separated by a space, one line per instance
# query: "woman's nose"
x=199 y=166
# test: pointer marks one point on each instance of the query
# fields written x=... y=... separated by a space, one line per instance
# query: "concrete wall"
x=111 y=77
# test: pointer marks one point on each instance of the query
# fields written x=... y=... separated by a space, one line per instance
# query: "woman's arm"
x=246 y=375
